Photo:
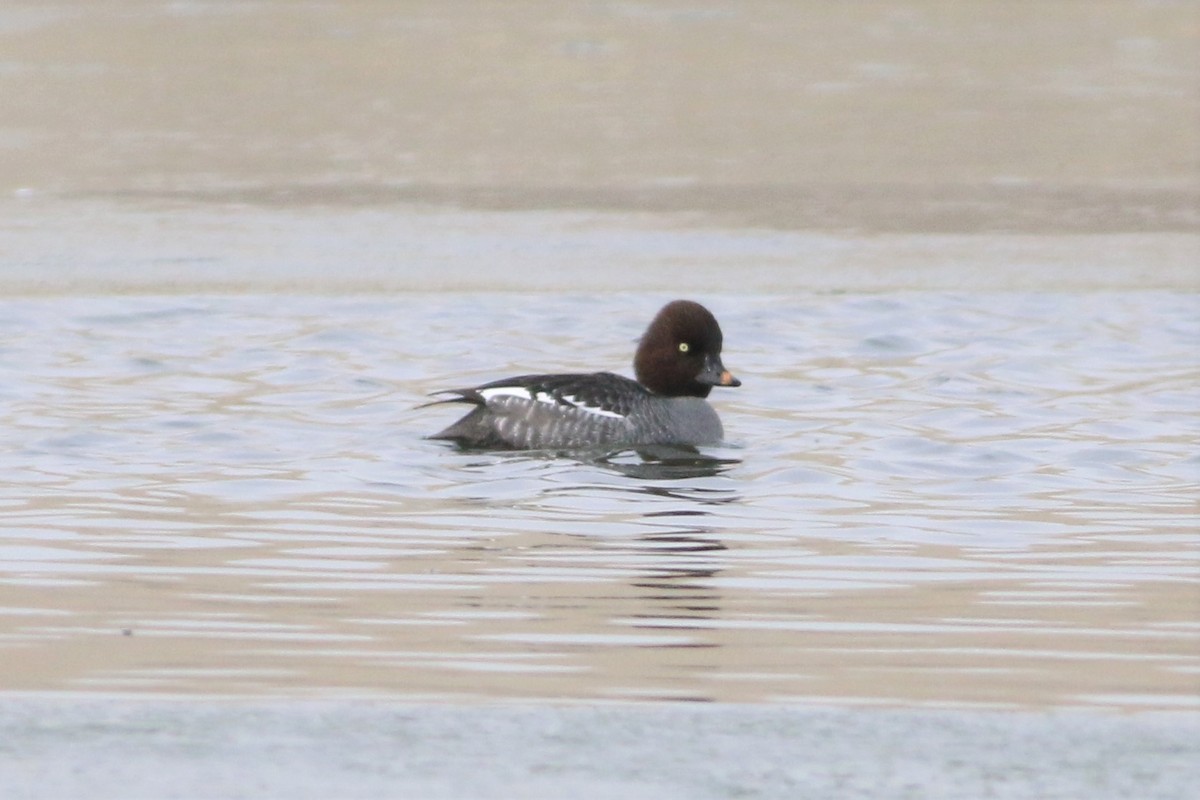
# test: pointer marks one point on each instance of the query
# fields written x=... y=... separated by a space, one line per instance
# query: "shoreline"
x=93 y=247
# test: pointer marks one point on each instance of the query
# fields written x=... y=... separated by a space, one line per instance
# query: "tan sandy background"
x=1043 y=117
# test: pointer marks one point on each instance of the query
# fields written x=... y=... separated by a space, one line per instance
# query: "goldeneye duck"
x=677 y=363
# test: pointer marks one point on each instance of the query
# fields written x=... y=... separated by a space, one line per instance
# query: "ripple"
x=921 y=492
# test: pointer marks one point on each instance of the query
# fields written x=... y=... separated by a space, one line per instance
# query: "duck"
x=676 y=365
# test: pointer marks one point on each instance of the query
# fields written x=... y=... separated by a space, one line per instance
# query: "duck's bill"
x=717 y=375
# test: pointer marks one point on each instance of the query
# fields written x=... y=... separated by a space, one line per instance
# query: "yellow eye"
x=684 y=347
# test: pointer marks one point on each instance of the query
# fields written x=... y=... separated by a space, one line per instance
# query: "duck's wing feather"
x=535 y=411
x=602 y=393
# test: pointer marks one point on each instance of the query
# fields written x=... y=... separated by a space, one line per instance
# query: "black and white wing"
x=546 y=411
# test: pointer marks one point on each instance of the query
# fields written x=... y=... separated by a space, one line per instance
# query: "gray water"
x=973 y=499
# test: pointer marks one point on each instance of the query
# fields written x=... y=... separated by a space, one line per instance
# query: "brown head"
x=680 y=353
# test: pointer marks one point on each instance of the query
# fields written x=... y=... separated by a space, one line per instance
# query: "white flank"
x=601 y=412
x=521 y=393
x=506 y=391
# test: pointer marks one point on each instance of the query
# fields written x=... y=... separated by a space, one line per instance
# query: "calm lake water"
x=926 y=498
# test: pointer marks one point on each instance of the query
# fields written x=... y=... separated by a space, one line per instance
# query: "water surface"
x=926 y=498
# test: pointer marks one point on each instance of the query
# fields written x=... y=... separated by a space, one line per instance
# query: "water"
x=926 y=498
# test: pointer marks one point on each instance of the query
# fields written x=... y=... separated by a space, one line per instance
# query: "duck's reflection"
x=690 y=561
x=680 y=595
x=678 y=589
x=665 y=463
